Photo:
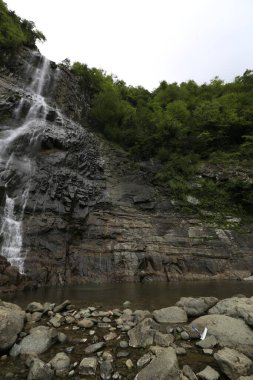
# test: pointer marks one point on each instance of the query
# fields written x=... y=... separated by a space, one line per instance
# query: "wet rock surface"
x=40 y=352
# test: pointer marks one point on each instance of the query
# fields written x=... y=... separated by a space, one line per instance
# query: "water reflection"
x=143 y=296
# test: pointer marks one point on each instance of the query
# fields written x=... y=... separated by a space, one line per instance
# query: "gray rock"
x=163 y=367
x=36 y=316
x=39 y=340
x=122 y=354
x=126 y=304
x=208 y=374
x=62 y=306
x=112 y=335
x=40 y=371
x=106 y=370
x=188 y=372
x=180 y=351
x=185 y=335
x=62 y=338
x=246 y=377
x=34 y=306
x=233 y=363
x=94 y=347
x=144 y=360
x=207 y=351
x=129 y=364
x=195 y=307
x=60 y=362
x=163 y=340
x=236 y=307
x=172 y=314
x=123 y=344
x=209 y=342
x=11 y=323
x=86 y=323
x=143 y=334
x=139 y=315
x=57 y=320
x=88 y=366
x=229 y=332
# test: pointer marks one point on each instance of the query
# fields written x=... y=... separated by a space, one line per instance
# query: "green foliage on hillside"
x=15 y=32
x=202 y=135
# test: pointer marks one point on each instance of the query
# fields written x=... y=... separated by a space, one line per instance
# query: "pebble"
x=123 y=344
x=129 y=364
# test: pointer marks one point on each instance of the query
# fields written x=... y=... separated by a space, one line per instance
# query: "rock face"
x=11 y=323
x=229 y=332
x=91 y=214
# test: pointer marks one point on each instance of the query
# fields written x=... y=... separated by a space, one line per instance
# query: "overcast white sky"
x=146 y=41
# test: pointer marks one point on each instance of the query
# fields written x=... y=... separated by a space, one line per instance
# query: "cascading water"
x=13 y=161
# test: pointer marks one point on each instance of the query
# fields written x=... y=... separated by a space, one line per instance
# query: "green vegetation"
x=16 y=32
x=201 y=134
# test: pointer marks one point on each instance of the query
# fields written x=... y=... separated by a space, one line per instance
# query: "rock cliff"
x=91 y=213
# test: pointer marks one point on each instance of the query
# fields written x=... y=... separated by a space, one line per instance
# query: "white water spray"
x=11 y=229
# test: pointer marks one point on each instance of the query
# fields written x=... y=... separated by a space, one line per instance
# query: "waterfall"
x=12 y=161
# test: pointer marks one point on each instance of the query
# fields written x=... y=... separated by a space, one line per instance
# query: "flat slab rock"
x=163 y=367
x=229 y=332
x=208 y=374
x=172 y=314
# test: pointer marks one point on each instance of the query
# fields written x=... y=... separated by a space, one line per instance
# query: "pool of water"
x=142 y=296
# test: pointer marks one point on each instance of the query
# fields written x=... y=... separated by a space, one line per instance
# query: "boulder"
x=142 y=335
x=11 y=324
x=40 y=370
x=237 y=307
x=163 y=367
x=194 y=307
x=233 y=363
x=39 y=340
x=229 y=332
x=172 y=314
